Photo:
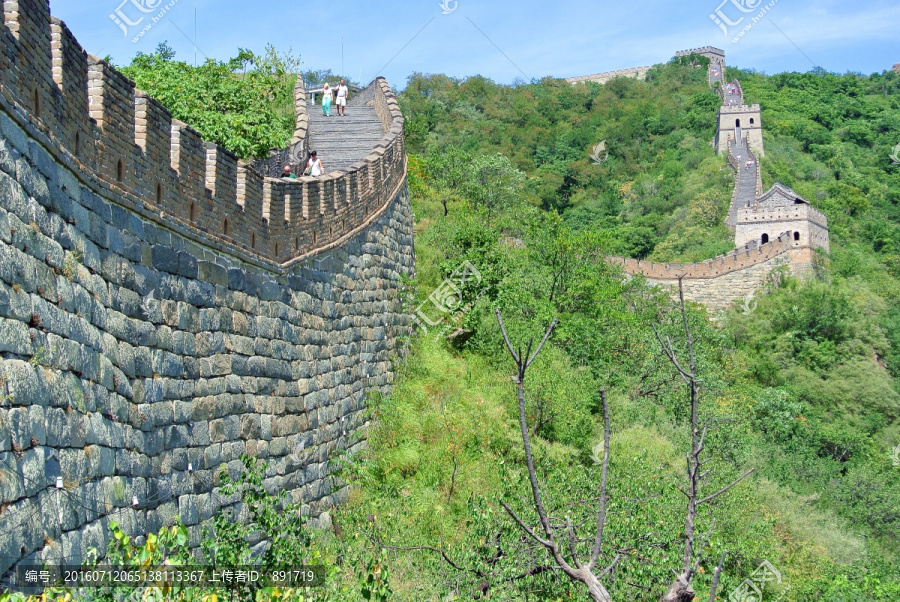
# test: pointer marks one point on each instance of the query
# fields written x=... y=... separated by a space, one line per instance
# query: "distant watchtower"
x=739 y=121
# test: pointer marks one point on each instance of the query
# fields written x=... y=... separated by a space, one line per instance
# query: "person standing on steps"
x=327 y=97
x=314 y=166
x=343 y=94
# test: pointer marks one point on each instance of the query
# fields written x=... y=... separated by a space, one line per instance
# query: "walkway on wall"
x=716 y=76
x=745 y=180
x=342 y=141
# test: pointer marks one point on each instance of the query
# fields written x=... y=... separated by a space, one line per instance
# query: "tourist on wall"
x=314 y=166
x=288 y=173
x=343 y=94
x=327 y=100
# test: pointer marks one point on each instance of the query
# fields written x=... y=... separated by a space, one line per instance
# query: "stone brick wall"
x=130 y=351
x=810 y=225
x=720 y=282
x=165 y=308
x=710 y=52
x=722 y=292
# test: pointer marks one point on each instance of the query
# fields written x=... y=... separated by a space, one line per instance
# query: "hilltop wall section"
x=164 y=308
x=602 y=78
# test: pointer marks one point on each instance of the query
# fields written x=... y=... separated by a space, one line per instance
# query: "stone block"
x=164 y=259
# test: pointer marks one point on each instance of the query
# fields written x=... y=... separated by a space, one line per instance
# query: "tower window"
x=796 y=236
x=120 y=171
x=765 y=238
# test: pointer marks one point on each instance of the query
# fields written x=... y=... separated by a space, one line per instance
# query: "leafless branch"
x=681 y=589
x=715 y=580
x=710 y=498
x=601 y=514
x=525 y=527
x=577 y=572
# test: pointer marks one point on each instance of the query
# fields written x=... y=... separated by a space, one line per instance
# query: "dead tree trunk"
x=681 y=589
x=581 y=572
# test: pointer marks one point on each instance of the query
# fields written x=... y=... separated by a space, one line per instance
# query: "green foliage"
x=70 y=264
x=800 y=386
x=246 y=110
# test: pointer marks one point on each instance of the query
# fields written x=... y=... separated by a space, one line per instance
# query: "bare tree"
x=681 y=589
x=582 y=572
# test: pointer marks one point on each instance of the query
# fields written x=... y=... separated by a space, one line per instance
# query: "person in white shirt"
x=343 y=93
x=314 y=166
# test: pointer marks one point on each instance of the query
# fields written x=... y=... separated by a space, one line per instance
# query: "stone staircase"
x=342 y=141
x=732 y=94
x=746 y=181
x=716 y=77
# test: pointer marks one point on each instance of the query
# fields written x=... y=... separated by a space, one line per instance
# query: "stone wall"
x=722 y=292
x=720 y=282
x=810 y=225
x=751 y=127
x=130 y=351
x=710 y=52
x=165 y=308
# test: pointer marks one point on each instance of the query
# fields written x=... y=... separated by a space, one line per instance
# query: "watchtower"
x=739 y=121
x=777 y=211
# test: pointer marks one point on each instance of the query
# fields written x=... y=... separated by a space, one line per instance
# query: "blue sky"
x=502 y=39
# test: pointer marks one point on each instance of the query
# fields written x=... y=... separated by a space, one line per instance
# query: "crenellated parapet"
x=601 y=78
x=125 y=145
x=737 y=260
x=710 y=52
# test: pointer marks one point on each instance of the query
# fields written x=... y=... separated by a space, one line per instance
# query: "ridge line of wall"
x=736 y=260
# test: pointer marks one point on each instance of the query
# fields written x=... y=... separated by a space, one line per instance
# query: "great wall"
x=773 y=229
x=165 y=308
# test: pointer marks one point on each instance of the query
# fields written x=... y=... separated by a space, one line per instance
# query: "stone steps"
x=342 y=141
x=745 y=179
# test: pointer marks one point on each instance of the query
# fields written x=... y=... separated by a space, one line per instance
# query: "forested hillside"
x=802 y=386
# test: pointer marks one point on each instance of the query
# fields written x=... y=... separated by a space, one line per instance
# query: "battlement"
x=707 y=51
x=602 y=78
x=776 y=214
x=738 y=109
x=740 y=259
x=126 y=146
